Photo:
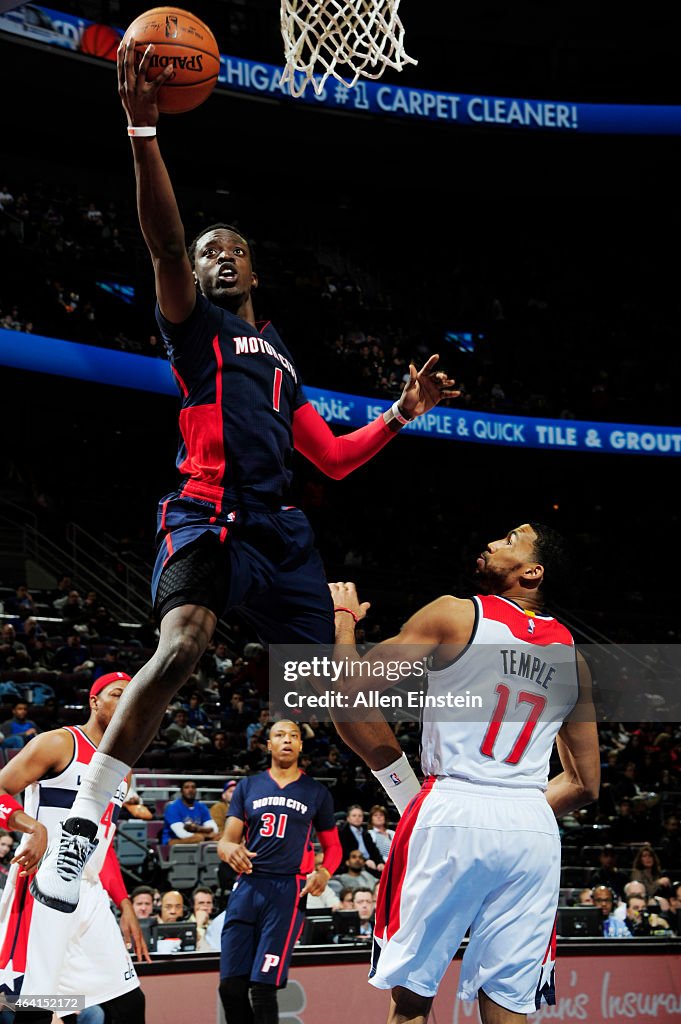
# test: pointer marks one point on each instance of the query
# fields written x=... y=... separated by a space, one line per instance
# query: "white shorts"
x=45 y=952
x=471 y=856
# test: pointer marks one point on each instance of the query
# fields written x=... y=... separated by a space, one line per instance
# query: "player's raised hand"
x=425 y=388
x=346 y=599
x=236 y=855
x=138 y=94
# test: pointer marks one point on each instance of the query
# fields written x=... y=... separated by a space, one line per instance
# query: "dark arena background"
x=535 y=251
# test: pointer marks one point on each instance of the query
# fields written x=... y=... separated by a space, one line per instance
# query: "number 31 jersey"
x=279 y=820
x=493 y=714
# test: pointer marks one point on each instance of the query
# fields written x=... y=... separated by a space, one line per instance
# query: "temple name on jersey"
x=280 y=801
x=251 y=346
x=527 y=666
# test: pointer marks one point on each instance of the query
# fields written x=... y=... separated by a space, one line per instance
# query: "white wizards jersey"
x=493 y=714
x=51 y=798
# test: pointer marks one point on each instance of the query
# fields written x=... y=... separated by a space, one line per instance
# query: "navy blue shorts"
x=262 y=925
x=260 y=563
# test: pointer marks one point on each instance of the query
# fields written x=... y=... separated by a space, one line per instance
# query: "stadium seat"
x=209 y=864
x=129 y=853
x=574 y=877
x=183 y=864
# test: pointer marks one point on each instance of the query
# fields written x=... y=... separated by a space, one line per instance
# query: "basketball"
x=183 y=40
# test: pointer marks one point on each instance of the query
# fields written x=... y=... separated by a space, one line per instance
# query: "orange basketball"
x=183 y=40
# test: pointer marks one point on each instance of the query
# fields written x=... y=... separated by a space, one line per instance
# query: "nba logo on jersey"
x=530 y=626
x=395 y=779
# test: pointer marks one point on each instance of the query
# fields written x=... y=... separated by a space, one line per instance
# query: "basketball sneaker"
x=57 y=881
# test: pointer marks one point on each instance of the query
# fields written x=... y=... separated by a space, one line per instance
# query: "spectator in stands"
x=646 y=869
x=363 y=903
x=625 y=785
x=608 y=873
x=641 y=921
x=71 y=607
x=20 y=603
x=354 y=835
x=220 y=809
x=142 y=899
x=332 y=765
x=6 y=847
x=188 y=820
x=134 y=808
x=670 y=845
x=630 y=889
x=6 y=198
x=259 y=728
x=216 y=756
x=585 y=898
x=612 y=927
x=40 y=653
x=221 y=660
x=623 y=827
x=378 y=830
x=345 y=898
x=355 y=874
x=19 y=727
x=51 y=717
x=172 y=907
x=196 y=716
x=675 y=902
x=13 y=653
x=202 y=910
x=74 y=655
x=180 y=735
x=61 y=591
x=254 y=758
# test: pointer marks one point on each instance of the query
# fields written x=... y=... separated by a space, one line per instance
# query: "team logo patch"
x=270 y=960
x=530 y=626
x=395 y=779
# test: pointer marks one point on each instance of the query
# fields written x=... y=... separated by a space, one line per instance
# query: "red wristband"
x=340 y=608
x=8 y=805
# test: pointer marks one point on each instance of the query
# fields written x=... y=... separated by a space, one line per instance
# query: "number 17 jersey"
x=493 y=714
x=279 y=820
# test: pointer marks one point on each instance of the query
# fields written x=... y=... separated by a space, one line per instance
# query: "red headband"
x=106 y=680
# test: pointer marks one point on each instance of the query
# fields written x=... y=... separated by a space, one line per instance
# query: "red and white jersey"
x=522 y=669
x=51 y=798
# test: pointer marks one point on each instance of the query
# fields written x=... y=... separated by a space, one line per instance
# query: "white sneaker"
x=57 y=882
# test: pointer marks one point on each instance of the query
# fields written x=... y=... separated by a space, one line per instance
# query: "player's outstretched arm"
x=577 y=743
x=156 y=204
x=46 y=753
x=338 y=456
x=445 y=625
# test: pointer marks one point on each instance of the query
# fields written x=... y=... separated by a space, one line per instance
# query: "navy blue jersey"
x=279 y=821
x=239 y=391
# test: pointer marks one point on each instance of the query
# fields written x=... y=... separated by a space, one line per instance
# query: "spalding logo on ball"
x=184 y=41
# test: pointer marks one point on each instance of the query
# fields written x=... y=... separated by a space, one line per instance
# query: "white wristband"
x=147 y=132
x=399 y=415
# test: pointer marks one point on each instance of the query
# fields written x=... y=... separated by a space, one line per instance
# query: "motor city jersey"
x=239 y=391
x=50 y=799
x=279 y=820
x=522 y=667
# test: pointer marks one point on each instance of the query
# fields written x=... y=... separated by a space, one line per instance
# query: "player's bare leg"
x=492 y=1013
x=407 y=1007
x=184 y=636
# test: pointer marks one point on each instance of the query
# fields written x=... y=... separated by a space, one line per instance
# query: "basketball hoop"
x=348 y=39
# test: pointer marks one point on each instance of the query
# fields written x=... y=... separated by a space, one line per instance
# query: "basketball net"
x=343 y=38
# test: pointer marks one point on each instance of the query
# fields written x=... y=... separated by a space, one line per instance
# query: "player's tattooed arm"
x=49 y=752
x=231 y=848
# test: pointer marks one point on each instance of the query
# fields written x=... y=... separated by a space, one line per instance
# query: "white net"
x=343 y=38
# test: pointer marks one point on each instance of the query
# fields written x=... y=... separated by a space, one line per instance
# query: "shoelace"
x=71 y=857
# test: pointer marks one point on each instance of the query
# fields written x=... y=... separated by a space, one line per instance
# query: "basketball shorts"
x=471 y=856
x=263 y=922
x=262 y=564
x=44 y=952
